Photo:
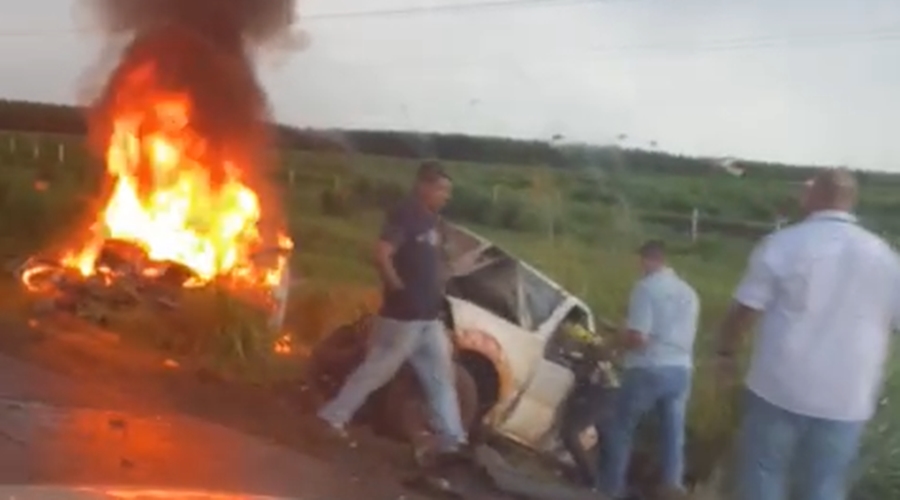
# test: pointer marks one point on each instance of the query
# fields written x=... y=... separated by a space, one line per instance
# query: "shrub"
x=335 y=203
x=387 y=194
x=513 y=214
x=592 y=192
x=469 y=205
x=364 y=190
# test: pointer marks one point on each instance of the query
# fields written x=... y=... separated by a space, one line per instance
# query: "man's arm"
x=640 y=319
x=392 y=236
x=894 y=270
x=753 y=295
x=446 y=269
x=738 y=321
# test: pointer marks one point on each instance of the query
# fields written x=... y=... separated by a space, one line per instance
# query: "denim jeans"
x=426 y=346
x=664 y=389
x=780 y=451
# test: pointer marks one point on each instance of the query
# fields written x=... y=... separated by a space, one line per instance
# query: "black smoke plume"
x=202 y=48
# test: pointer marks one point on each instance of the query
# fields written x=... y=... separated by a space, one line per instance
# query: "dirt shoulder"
x=108 y=372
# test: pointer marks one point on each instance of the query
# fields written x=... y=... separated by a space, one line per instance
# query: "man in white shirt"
x=659 y=340
x=826 y=290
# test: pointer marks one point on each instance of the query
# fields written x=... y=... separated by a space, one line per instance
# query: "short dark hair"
x=652 y=248
x=431 y=171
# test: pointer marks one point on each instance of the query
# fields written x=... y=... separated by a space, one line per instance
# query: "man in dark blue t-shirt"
x=408 y=328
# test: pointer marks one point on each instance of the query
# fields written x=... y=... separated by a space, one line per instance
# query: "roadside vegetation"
x=577 y=214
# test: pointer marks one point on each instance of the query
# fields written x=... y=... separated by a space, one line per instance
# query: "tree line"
x=62 y=119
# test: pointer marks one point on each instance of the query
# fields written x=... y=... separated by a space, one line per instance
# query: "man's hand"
x=631 y=340
x=729 y=340
x=384 y=253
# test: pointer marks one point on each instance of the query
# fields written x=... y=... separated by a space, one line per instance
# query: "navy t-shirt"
x=413 y=232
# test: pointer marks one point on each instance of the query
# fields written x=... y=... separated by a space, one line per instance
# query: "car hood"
x=123 y=493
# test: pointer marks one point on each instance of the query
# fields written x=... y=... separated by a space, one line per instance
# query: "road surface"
x=87 y=410
x=52 y=432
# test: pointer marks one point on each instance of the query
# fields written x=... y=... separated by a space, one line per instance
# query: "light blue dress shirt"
x=665 y=309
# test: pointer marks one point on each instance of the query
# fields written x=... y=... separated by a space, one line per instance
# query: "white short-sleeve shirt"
x=828 y=290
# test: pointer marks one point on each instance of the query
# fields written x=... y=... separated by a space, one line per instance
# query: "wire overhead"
x=874 y=36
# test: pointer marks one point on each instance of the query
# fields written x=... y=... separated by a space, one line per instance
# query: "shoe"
x=433 y=485
x=334 y=432
x=603 y=496
x=670 y=493
x=430 y=455
x=628 y=496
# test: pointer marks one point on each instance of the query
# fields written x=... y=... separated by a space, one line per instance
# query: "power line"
x=588 y=55
x=766 y=41
x=722 y=45
x=454 y=7
x=33 y=34
x=376 y=13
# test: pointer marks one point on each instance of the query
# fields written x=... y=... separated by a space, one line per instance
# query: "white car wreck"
x=515 y=360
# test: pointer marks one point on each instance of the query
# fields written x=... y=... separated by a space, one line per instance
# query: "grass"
x=580 y=227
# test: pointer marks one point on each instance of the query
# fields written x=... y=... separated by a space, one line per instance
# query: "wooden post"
x=291 y=177
x=695 y=225
x=12 y=144
x=61 y=152
x=281 y=294
x=36 y=148
x=779 y=222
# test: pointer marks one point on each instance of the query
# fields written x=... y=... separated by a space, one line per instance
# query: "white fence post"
x=780 y=222
x=695 y=225
x=61 y=152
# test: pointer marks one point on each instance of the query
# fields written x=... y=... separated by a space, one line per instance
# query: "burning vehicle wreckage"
x=189 y=199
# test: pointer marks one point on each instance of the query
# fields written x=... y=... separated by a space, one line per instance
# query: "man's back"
x=828 y=310
x=669 y=309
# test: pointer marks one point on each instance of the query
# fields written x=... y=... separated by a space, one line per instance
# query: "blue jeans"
x=780 y=451
x=665 y=389
x=426 y=346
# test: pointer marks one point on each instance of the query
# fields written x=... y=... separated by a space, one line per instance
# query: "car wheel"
x=335 y=357
x=404 y=410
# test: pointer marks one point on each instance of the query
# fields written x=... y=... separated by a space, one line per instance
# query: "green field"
x=579 y=225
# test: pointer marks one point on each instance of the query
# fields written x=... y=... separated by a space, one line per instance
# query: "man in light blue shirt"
x=659 y=343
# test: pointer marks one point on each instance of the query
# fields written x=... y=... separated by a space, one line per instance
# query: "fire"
x=284 y=344
x=172 y=198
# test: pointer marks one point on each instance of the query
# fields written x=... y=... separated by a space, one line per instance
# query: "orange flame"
x=165 y=199
x=283 y=344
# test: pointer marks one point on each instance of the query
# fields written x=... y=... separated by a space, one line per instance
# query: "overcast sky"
x=808 y=81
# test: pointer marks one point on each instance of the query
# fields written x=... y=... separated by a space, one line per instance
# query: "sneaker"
x=433 y=485
x=603 y=496
x=430 y=457
x=335 y=432
x=670 y=493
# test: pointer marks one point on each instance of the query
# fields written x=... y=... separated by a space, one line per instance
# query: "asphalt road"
x=52 y=433
x=78 y=406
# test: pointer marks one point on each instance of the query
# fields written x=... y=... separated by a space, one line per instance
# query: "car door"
x=534 y=414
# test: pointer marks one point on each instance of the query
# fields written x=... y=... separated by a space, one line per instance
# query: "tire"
x=404 y=411
x=336 y=356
